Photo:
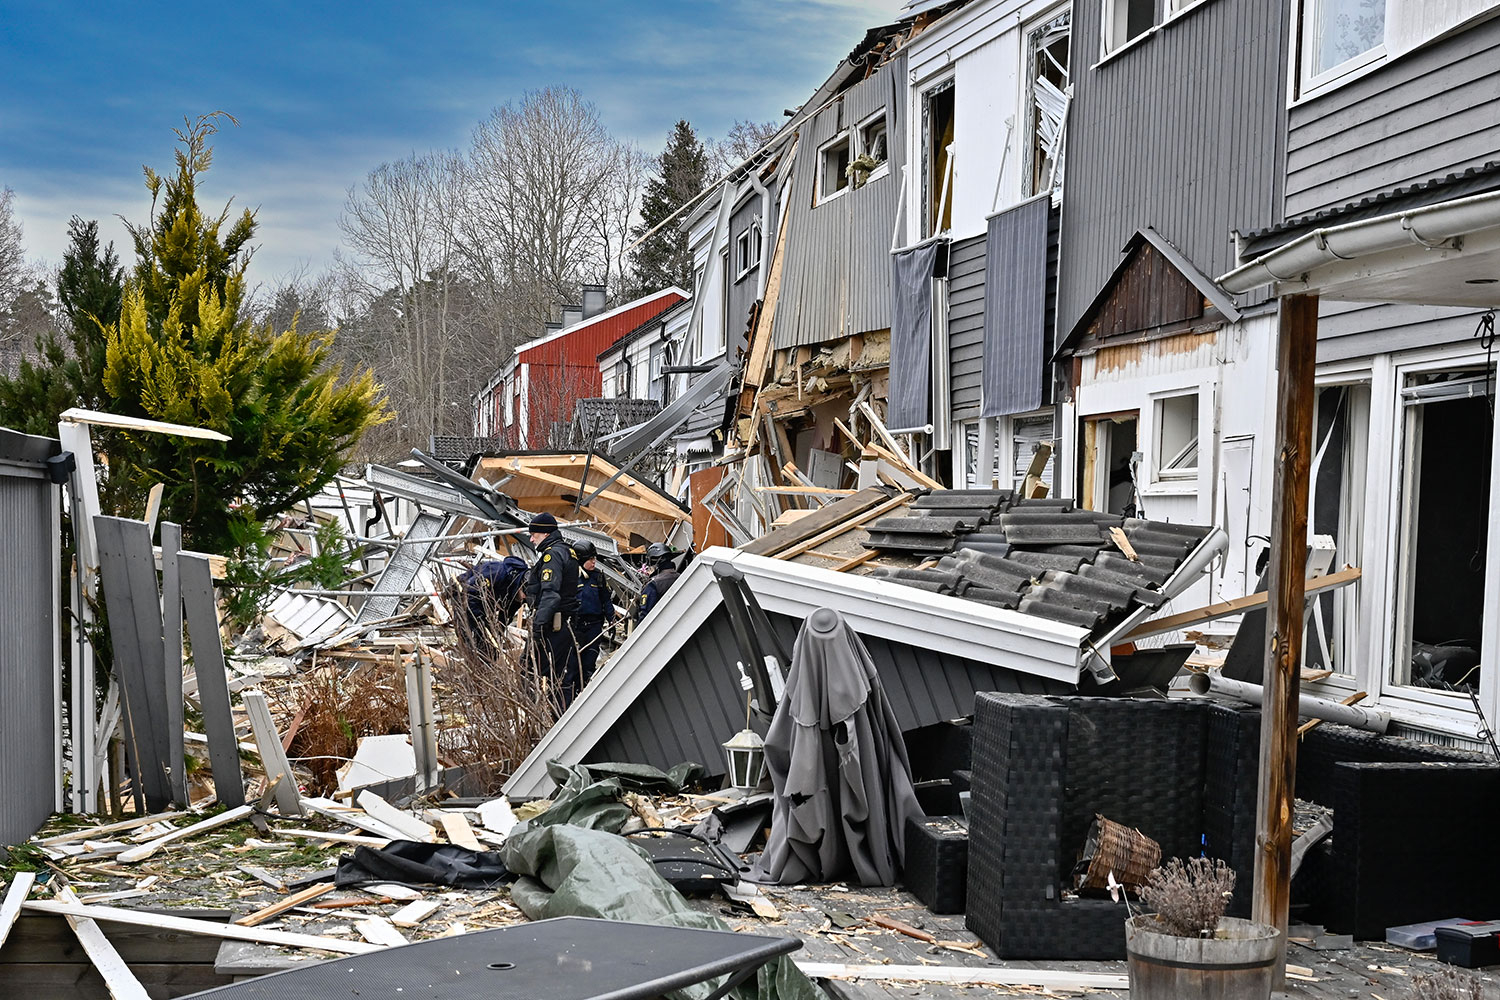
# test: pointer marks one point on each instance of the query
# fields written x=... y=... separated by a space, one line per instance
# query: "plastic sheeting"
x=572 y=863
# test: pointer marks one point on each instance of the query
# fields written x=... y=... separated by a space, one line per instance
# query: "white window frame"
x=1108 y=45
x=1160 y=473
x=858 y=149
x=1312 y=83
x=820 y=197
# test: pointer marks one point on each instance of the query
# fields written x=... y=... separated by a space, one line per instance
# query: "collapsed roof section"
x=673 y=690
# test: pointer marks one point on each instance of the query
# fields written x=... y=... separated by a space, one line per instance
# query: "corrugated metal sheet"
x=27 y=626
x=1185 y=132
x=836 y=276
x=966 y=325
x=742 y=289
x=687 y=714
x=1015 y=307
x=1434 y=112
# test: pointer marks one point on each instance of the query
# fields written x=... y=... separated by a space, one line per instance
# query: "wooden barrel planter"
x=1236 y=964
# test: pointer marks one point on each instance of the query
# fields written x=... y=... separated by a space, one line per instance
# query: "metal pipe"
x=1308 y=706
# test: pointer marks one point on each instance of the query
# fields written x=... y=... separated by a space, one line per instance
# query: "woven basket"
x=1110 y=847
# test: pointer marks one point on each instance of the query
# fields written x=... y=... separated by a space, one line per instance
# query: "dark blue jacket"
x=593 y=596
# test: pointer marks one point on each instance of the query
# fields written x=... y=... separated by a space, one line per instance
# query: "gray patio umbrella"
x=838 y=766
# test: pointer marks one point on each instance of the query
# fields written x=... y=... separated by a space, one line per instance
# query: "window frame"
x=1162 y=470
x=1108 y=46
x=842 y=138
x=1307 y=84
x=860 y=147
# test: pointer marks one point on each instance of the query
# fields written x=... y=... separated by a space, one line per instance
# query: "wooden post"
x=1296 y=357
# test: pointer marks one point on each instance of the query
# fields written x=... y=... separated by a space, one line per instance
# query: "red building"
x=545 y=378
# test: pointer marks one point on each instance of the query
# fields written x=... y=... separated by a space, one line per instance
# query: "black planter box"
x=937 y=862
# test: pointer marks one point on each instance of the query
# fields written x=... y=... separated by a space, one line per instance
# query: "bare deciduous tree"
x=741 y=142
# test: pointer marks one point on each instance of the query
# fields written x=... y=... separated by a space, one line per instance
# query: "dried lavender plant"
x=1189 y=897
x=1447 y=984
x=497 y=707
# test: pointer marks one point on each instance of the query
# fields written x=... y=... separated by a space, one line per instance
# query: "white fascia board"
x=617 y=310
x=884 y=608
x=967 y=30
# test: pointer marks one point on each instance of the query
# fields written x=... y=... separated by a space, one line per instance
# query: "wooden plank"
x=337 y=838
x=95 y=832
x=817 y=522
x=906 y=467
x=152 y=846
x=265 y=913
x=968 y=976
x=15 y=895
x=100 y=419
x=128 y=573
x=272 y=758
x=858 y=560
x=415 y=912
x=186 y=925
x=197 y=591
x=38 y=937
x=382 y=811
x=456 y=828
x=354 y=817
x=112 y=969
x=171 y=631
x=1224 y=609
x=378 y=931
x=900 y=500
x=1286 y=605
x=1122 y=542
x=527 y=467
x=761 y=344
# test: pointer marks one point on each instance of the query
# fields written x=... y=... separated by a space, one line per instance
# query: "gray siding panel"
x=966 y=325
x=26 y=630
x=1358 y=329
x=836 y=275
x=1147 y=149
x=742 y=291
x=1015 y=307
x=695 y=703
x=1432 y=112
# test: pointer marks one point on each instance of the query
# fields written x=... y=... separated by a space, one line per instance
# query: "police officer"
x=595 y=609
x=552 y=595
x=663 y=575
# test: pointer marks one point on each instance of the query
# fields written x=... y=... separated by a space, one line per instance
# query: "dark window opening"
x=833 y=175
x=937 y=114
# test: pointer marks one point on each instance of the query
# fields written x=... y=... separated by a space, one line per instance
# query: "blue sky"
x=324 y=93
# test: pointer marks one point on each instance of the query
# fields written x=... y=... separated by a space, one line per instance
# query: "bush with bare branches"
x=1189 y=897
x=496 y=708
x=340 y=705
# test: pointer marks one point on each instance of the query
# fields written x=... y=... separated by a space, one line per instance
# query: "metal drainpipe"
x=765 y=233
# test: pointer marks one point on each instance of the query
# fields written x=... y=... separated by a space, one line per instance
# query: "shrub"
x=1447 y=984
x=1189 y=897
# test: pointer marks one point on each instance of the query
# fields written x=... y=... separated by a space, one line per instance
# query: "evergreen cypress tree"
x=68 y=369
x=663 y=259
x=185 y=350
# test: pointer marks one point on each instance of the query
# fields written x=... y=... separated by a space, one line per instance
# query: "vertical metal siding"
x=742 y=291
x=695 y=703
x=836 y=274
x=966 y=325
x=1015 y=306
x=1185 y=132
x=26 y=651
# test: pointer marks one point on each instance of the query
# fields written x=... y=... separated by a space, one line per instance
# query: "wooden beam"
x=382 y=811
x=265 y=913
x=1225 y=609
x=181 y=833
x=273 y=758
x=967 y=975
x=187 y=925
x=1297 y=341
x=901 y=500
x=858 y=560
x=118 y=978
x=906 y=467
x=15 y=895
x=662 y=509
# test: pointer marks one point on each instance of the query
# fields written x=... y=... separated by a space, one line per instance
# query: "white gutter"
x=1440 y=226
x=1024 y=643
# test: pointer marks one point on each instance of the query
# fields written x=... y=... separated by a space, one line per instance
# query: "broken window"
x=833 y=168
x=1176 y=453
x=1111 y=461
x=872 y=140
x=937 y=158
x=1336 y=509
x=1047 y=51
x=1127 y=19
x=1027 y=436
x=1448 y=436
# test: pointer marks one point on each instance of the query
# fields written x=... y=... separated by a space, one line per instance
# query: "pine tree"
x=185 y=350
x=663 y=259
x=68 y=367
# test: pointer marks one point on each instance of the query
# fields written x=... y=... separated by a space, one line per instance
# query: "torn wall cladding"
x=836 y=275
